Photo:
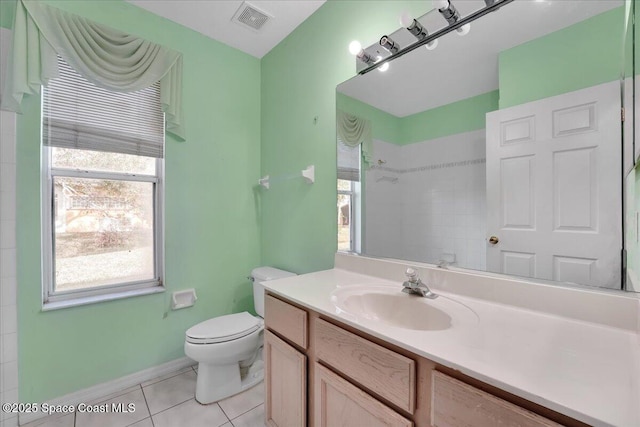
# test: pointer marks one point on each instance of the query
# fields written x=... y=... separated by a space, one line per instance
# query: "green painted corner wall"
x=461 y=116
x=582 y=55
x=245 y=118
x=212 y=223
x=298 y=224
x=299 y=220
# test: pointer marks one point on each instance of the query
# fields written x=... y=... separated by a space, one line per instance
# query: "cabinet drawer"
x=386 y=373
x=287 y=320
x=339 y=403
x=456 y=404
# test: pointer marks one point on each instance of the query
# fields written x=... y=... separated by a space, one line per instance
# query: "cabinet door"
x=338 y=403
x=286 y=383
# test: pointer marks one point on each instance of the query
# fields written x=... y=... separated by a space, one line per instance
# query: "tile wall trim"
x=432 y=166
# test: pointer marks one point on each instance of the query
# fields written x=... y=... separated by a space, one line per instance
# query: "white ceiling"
x=462 y=67
x=213 y=19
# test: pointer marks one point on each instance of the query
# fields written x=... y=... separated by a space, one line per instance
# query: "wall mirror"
x=501 y=150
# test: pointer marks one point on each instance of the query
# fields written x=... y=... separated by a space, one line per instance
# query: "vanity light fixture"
x=416 y=29
x=459 y=24
x=384 y=67
x=388 y=43
x=451 y=15
x=356 y=49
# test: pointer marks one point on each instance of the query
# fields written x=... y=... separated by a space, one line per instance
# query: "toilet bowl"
x=228 y=348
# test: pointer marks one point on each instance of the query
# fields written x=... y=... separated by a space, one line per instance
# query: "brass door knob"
x=493 y=240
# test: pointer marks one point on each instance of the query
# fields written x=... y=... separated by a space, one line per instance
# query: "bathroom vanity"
x=345 y=348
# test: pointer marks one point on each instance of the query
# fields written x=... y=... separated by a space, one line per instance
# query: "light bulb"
x=355 y=47
x=440 y=4
x=432 y=44
x=406 y=19
x=384 y=67
x=464 y=30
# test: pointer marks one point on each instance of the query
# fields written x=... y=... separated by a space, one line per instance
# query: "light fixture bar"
x=431 y=37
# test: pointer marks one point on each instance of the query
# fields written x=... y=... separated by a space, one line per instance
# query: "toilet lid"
x=223 y=328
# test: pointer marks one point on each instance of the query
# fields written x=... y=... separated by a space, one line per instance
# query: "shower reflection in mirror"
x=507 y=133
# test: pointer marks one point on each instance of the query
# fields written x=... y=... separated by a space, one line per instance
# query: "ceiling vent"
x=250 y=16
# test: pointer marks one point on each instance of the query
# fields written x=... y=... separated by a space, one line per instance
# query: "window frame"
x=52 y=299
x=354 y=215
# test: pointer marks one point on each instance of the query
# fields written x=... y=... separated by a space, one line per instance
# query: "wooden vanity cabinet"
x=285 y=383
x=285 y=364
x=322 y=373
x=340 y=403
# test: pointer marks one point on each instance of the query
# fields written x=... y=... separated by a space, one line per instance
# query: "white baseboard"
x=104 y=389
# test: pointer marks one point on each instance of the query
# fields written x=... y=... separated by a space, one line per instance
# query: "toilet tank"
x=262 y=274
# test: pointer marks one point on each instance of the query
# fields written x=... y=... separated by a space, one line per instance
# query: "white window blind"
x=348 y=161
x=79 y=114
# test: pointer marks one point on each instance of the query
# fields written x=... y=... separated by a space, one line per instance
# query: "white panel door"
x=554 y=188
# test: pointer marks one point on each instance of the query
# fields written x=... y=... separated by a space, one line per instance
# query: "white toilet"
x=228 y=348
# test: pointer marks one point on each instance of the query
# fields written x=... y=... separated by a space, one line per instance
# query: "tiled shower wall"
x=382 y=218
x=8 y=282
x=437 y=206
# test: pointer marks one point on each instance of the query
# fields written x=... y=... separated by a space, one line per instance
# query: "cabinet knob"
x=493 y=240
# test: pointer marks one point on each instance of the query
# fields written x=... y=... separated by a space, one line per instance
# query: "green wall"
x=7 y=10
x=245 y=118
x=582 y=55
x=211 y=233
x=299 y=220
x=461 y=116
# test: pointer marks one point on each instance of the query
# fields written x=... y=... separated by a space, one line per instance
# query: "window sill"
x=57 y=305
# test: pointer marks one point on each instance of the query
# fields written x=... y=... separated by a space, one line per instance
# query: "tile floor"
x=169 y=401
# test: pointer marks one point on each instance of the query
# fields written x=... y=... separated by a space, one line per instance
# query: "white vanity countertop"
x=584 y=370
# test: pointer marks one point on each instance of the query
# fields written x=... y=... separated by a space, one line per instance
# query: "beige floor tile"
x=227 y=424
x=116 y=419
x=53 y=421
x=170 y=392
x=144 y=423
x=166 y=376
x=237 y=405
x=192 y=414
x=253 y=418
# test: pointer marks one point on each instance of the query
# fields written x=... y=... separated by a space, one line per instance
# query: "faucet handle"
x=411 y=274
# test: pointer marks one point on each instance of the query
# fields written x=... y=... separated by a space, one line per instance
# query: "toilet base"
x=216 y=382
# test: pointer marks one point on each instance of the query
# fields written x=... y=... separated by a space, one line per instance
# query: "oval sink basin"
x=390 y=306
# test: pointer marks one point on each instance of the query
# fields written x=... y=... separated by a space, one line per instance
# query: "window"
x=102 y=191
x=348 y=197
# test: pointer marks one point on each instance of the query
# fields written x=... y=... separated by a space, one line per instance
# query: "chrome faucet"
x=414 y=286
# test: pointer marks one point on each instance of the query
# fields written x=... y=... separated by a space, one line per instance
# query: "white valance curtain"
x=353 y=131
x=106 y=57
